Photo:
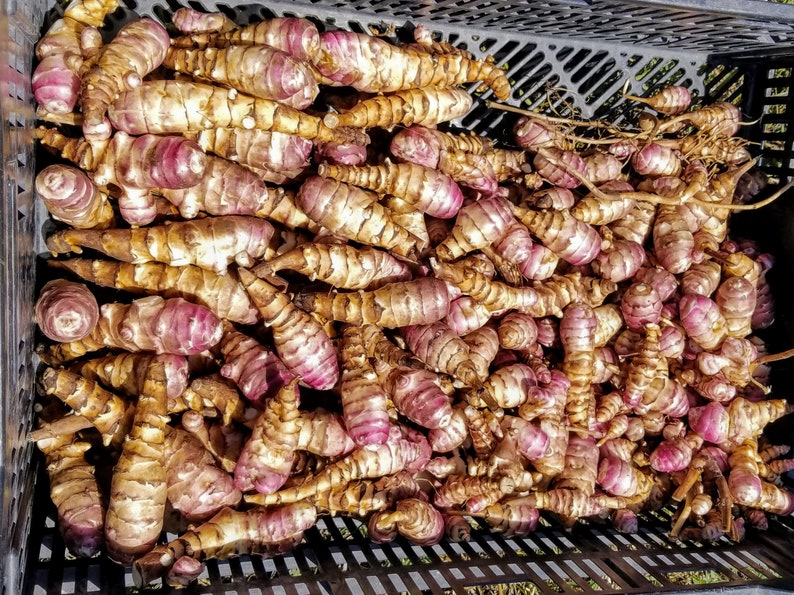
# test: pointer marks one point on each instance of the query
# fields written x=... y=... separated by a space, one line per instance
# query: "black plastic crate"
x=570 y=56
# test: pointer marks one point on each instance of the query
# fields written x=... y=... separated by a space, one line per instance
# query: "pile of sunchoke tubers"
x=329 y=302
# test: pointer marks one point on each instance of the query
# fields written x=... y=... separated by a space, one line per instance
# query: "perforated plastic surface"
x=567 y=56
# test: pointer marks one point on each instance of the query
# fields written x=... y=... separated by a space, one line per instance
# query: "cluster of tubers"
x=414 y=332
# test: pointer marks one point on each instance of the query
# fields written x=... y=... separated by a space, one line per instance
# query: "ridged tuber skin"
x=425 y=189
x=702 y=278
x=365 y=462
x=702 y=320
x=641 y=305
x=256 y=370
x=106 y=411
x=511 y=518
x=483 y=346
x=442 y=350
x=258 y=70
x=133 y=166
x=477 y=225
x=417 y=395
x=138 y=490
x=229 y=533
x=66 y=310
x=581 y=466
x=126 y=372
x=517 y=331
x=423 y=146
x=365 y=407
x=426 y=107
x=507 y=385
x=226 y=188
x=577 y=333
x=197 y=487
x=202 y=106
x=136 y=50
x=451 y=436
x=740 y=420
x=643 y=368
x=423 y=300
x=673 y=242
x=324 y=433
x=222 y=440
x=152 y=323
x=212 y=243
x=76 y=493
x=619 y=261
x=572 y=240
x=560 y=167
x=493 y=294
x=530 y=440
x=384 y=350
x=56 y=78
x=300 y=340
x=371 y=64
x=72 y=198
x=362 y=498
x=187 y=21
x=266 y=459
x=341 y=266
x=355 y=214
x=274 y=151
x=749 y=489
x=297 y=36
x=736 y=298
x=223 y=294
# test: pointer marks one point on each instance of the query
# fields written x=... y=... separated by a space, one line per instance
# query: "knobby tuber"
x=560 y=324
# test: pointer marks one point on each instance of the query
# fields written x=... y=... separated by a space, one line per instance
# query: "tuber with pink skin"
x=577 y=335
x=266 y=459
x=736 y=298
x=619 y=260
x=483 y=346
x=71 y=197
x=196 y=486
x=228 y=533
x=532 y=134
x=739 y=421
x=323 y=433
x=258 y=149
x=442 y=350
x=640 y=305
x=575 y=242
x=702 y=320
x=188 y=20
x=153 y=323
x=257 y=70
x=515 y=244
x=416 y=520
x=340 y=153
x=423 y=146
x=556 y=165
x=477 y=225
x=656 y=160
x=466 y=315
x=256 y=370
x=66 y=310
x=355 y=214
x=675 y=454
x=517 y=331
x=602 y=167
x=702 y=278
x=417 y=395
x=530 y=440
x=300 y=340
x=425 y=189
x=372 y=64
x=452 y=436
x=136 y=50
x=673 y=241
x=364 y=399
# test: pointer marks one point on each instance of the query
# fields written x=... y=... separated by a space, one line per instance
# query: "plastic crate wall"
x=20 y=24
x=570 y=56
